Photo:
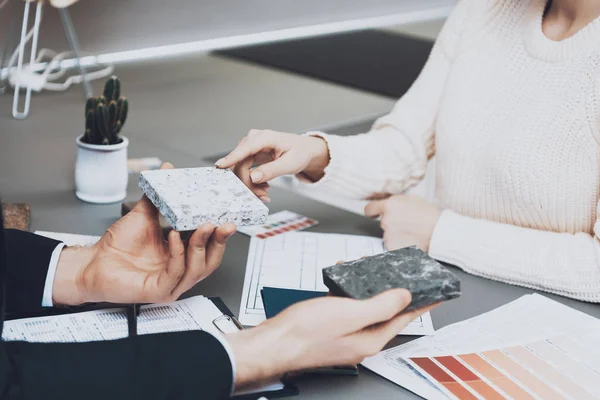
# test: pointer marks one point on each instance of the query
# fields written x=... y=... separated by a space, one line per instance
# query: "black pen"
x=132 y=313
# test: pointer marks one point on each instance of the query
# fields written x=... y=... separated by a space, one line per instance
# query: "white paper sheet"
x=294 y=260
x=195 y=313
x=530 y=318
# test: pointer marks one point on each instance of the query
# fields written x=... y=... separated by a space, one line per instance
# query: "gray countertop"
x=36 y=166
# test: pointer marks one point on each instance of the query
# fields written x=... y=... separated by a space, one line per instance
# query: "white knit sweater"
x=513 y=119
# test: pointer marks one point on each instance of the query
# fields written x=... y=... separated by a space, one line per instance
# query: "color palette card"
x=557 y=368
x=278 y=223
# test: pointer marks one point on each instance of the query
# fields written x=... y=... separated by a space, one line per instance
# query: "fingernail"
x=219 y=162
x=257 y=176
x=265 y=199
x=229 y=235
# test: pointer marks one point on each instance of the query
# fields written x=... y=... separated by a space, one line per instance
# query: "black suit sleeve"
x=28 y=257
x=182 y=365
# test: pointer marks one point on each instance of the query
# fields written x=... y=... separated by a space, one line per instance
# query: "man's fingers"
x=216 y=246
x=175 y=266
x=391 y=328
x=380 y=308
x=374 y=208
x=167 y=165
x=195 y=259
x=286 y=164
x=254 y=144
x=370 y=341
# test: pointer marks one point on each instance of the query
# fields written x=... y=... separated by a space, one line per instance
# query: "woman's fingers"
x=374 y=208
x=288 y=163
x=256 y=142
x=243 y=170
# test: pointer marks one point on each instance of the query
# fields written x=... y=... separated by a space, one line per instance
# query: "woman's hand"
x=328 y=331
x=406 y=220
x=133 y=264
x=276 y=154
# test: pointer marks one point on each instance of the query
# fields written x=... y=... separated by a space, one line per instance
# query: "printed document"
x=294 y=260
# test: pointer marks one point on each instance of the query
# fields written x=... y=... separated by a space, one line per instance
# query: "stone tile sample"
x=190 y=197
x=428 y=281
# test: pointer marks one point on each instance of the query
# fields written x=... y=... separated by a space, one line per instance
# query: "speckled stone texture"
x=16 y=216
x=410 y=268
x=190 y=197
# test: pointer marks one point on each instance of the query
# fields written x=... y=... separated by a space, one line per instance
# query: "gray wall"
x=115 y=25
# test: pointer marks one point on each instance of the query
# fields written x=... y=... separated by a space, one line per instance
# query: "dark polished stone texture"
x=410 y=268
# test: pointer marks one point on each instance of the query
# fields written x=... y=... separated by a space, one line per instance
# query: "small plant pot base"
x=101 y=199
x=101 y=173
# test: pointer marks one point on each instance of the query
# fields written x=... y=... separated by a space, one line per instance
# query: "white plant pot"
x=101 y=172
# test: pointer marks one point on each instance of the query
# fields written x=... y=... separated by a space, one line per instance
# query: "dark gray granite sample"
x=410 y=268
x=190 y=197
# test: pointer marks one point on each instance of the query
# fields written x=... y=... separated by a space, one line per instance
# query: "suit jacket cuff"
x=28 y=259
x=49 y=285
x=231 y=356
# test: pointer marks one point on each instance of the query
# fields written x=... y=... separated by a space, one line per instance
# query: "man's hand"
x=406 y=220
x=322 y=332
x=133 y=264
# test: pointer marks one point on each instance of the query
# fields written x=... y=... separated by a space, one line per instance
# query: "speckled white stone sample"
x=410 y=268
x=190 y=197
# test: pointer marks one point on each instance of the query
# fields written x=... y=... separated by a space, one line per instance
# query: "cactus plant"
x=105 y=115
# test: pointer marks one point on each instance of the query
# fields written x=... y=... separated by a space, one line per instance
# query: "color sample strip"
x=443 y=378
x=564 y=362
x=526 y=378
x=589 y=357
x=278 y=223
x=549 y=373
x=497 y=378
x=294 y=224
x=469 y=378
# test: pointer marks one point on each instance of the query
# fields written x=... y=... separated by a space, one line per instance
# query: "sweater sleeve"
x=561 y=263
x=392 y=157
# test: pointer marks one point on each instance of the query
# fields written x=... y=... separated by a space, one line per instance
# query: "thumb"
x=374 y=208
x=286 y=164
x=384 y=306
x=375 y=310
